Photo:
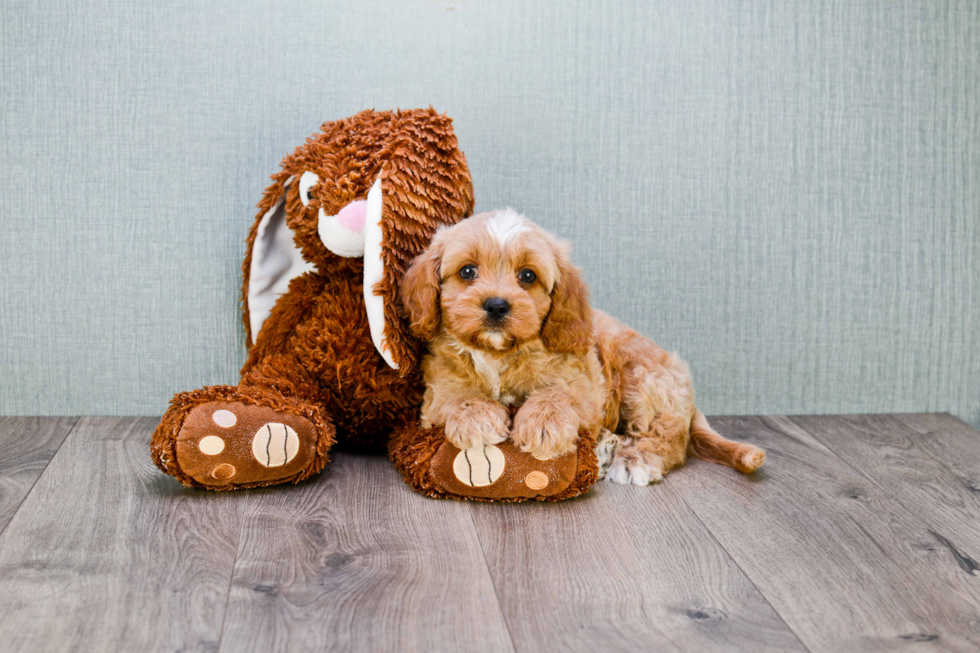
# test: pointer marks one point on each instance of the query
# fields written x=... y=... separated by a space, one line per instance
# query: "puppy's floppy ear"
x=420 y=291
x=567 y=328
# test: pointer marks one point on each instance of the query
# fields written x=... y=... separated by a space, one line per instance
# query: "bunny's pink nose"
x=352 y=215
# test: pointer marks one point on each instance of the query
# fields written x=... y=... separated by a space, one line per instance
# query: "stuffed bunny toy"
x=330 y=356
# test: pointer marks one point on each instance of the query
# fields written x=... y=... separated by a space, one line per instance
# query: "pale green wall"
x=786 y=192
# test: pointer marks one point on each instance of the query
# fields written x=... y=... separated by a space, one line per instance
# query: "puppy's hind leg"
x=634 y=462
x=605 y=450
x=656 y=414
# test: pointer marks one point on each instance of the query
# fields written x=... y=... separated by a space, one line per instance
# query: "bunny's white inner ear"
x=374 y=271
x=275 y=262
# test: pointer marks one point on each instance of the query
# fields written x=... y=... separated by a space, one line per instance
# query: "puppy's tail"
x=707 y=444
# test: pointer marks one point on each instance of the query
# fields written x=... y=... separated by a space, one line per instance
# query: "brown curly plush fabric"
x=314 y=363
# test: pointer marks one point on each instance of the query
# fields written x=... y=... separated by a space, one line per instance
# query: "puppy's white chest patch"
x=489 y=369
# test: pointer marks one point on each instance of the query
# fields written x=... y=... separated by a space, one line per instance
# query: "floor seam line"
x=744 y=573
x=234 y=568
x=912 y=511
x=71 y=429
x=496 y=594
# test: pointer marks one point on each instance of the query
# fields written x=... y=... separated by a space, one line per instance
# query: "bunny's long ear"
x=272 y=259
x=423 y=185
x=374 y=269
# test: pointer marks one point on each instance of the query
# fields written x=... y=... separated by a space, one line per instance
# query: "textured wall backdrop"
x=786 y=192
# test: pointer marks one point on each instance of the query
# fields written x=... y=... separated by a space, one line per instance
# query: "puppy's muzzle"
x=496 y=309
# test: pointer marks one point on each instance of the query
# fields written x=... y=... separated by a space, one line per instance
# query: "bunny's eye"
x=306 y=184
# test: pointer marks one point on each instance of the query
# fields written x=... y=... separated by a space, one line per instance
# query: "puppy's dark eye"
x=468 y=272
x=527 y=276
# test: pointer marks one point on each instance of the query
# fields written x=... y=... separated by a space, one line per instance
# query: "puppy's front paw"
x=545 y=430
x=478 y=423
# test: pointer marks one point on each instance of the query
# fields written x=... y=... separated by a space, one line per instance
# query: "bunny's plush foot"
x=490 y=472
x=224 y=438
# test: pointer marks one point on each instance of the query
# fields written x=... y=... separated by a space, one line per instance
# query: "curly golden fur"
x=509 y=326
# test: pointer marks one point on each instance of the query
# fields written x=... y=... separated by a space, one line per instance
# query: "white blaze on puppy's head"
x=504 y=225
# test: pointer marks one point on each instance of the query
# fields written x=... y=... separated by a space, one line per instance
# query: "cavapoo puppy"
x=509 y=328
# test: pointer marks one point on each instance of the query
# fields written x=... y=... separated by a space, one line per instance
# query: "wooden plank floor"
x=861 y=533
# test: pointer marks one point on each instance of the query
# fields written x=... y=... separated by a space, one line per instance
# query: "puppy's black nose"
x=497 y=308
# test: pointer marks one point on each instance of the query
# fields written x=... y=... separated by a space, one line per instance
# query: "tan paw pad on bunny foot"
x=224 y=443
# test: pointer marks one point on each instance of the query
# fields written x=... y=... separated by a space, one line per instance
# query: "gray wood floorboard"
x=843 y=563
x=861 y=533
x=357 y=561
x=108 y=554
x=26 y=446
x=623 y=568
x=950 y=441
x=932 y=473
